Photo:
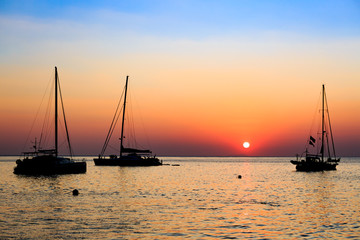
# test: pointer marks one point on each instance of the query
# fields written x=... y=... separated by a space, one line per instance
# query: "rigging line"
x=45 y=131
x=108 y=136
x=62 y=130
x=331 y=135
x=142 y=124
x=46 y=134
x=114 y=148
x=63 y=111
x=134 y=124
x=319 y=134
x=36 y=116
x=62 y=143
x=112 y=125
x=132 y=136
x=327 y=141
x=131 y=114
x=314 y=119
x=112 y=130
x=319 y=148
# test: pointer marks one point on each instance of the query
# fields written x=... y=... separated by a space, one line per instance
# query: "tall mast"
x=56 y=112
x=322 y=123
x=123 y=118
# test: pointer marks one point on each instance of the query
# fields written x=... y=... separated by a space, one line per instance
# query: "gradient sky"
x=206 y=75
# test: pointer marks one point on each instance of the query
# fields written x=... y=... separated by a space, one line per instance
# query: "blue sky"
x=193 y=19
x=150 y=26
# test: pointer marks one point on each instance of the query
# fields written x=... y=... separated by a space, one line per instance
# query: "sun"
x=246 y=144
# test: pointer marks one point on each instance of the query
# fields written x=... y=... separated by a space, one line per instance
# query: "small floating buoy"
x=239 y=176
x=75 y=192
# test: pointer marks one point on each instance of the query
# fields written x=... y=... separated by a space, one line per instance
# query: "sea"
x=188 y=198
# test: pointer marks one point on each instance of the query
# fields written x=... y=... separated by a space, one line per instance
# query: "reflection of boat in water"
x=324 y=157
x=47 y=162
x=128 y=156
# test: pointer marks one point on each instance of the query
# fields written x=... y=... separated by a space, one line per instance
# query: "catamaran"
x=127 y=156
x=47 y=161
x=324 y=157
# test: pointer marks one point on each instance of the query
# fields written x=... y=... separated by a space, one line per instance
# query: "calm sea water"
x=202 y=198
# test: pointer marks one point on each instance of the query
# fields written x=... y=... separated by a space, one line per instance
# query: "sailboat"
x=127 y=156
x=47 y=161
x=324 y=158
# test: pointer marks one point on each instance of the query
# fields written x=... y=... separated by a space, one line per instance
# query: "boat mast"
x=123 y=118
x=322 y=124
x=56 y=113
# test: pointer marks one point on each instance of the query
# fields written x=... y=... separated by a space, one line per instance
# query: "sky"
x=205 y=75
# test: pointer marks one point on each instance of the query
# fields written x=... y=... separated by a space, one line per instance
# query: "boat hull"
x=128 y=161
x=48 y=166
x=312 y=166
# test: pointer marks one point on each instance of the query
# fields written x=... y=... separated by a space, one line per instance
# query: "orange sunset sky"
x=205 y=76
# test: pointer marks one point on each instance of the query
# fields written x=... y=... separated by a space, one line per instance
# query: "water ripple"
x=196 y=200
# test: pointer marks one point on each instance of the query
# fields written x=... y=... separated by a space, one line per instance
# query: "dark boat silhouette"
x=47 y=161
x=127 y=156
x=324 y=159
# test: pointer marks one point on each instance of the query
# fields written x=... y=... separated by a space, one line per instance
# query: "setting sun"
x=246 y=144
